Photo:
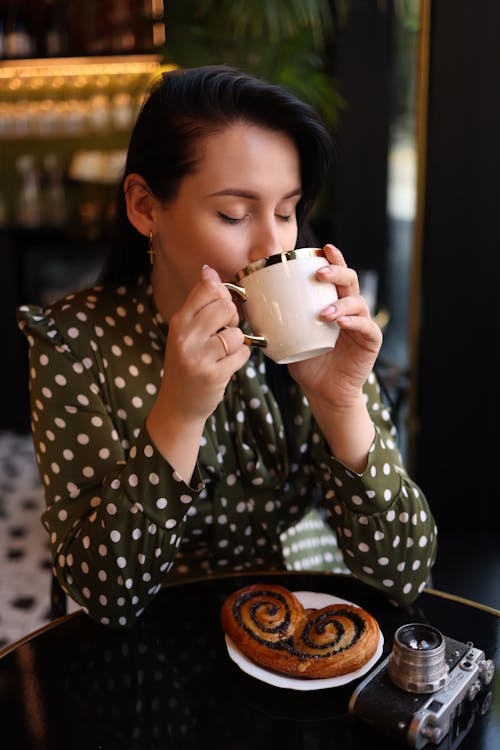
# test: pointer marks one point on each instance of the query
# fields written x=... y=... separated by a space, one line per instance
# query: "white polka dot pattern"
x=121 y=519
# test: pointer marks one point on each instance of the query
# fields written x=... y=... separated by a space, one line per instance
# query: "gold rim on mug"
x=301 y=252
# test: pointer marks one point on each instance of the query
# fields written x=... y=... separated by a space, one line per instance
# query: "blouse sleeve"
x=382 y=520
x=113 y=532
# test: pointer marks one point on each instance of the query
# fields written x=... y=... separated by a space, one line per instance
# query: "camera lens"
x=417 y=662
x=419 y=637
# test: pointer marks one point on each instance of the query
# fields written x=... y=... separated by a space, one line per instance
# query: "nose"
x=265 y=240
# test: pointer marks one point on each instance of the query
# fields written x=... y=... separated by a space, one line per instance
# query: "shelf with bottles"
x=47 y=187
x=49 y=98
x=51 y=28
x=66 y=123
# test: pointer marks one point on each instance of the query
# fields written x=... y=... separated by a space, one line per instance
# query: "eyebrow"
x=251 y=196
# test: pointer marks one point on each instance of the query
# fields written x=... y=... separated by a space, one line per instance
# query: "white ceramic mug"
x=283 y=300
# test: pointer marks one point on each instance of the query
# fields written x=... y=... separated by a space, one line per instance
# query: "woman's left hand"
x=337 y=377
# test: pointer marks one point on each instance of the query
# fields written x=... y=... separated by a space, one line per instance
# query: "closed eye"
x=228 y=219
x=286 y=218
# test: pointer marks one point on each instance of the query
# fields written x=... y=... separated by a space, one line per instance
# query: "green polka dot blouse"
x=121 y=521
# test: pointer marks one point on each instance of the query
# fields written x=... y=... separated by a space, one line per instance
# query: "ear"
x=139 y=201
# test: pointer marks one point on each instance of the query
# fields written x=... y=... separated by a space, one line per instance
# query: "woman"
x=166 y=450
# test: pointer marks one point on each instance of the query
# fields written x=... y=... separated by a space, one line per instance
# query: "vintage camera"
x=422 y=686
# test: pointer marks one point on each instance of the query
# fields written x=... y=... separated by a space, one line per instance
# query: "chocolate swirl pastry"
x=270 y=626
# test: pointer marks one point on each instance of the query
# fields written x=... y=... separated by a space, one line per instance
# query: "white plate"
x=309 y=600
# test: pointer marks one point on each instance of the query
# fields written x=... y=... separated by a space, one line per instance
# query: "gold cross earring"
x=151 y=250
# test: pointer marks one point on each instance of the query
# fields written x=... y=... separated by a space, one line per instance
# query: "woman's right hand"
x=197 y=369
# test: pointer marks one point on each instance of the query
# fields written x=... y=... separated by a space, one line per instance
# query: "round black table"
x=168 y=683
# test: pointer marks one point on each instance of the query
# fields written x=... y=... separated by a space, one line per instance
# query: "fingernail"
x=204 y=269
x=323 y=271
x=329 y=312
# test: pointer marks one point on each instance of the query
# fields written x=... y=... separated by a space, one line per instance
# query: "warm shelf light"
x=73 y=96
x=75 y=67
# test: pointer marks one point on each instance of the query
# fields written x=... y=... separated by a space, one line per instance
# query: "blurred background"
x=409 y=89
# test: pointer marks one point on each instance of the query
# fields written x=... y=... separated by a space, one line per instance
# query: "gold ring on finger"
x=224 y=343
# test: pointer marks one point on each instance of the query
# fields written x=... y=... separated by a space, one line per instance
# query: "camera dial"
x=417 y=662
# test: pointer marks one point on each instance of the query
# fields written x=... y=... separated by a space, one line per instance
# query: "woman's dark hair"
x=183 y=106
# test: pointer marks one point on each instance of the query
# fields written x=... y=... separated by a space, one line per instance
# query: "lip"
x=271 y=260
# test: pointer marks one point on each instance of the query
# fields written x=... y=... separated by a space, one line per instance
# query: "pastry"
x=269 y=625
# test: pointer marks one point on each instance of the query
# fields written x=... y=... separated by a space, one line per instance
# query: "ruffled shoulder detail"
x=32 y=319
x=40 y=327
x=30 y=315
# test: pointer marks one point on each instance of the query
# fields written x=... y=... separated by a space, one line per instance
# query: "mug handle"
x=248 y=339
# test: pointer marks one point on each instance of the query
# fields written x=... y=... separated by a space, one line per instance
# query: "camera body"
x=418 y=690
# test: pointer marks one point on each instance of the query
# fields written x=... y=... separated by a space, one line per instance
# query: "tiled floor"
x=25 y=563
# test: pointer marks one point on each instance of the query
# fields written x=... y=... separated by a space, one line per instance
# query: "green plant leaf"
x=283 y=41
